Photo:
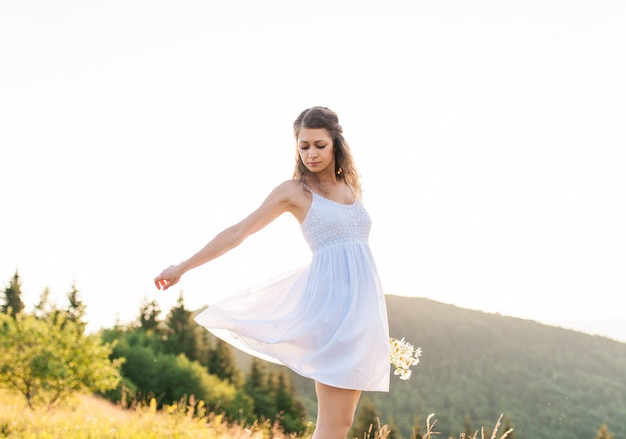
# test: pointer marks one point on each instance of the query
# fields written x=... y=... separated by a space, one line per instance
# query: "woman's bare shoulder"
x=295 y=196
x=293 y=191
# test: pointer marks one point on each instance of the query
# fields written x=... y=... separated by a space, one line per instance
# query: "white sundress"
x=327 y=321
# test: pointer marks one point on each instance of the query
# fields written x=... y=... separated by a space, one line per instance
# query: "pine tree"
x=13 y=304
x=257 y=378
x=259 y=387
x=291 y=412
x=149 y=315
x=76 y=309
x=222 y=363
x=204 y=345
x=181 y=334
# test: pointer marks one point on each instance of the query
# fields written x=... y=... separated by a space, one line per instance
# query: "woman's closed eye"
x=306 y=146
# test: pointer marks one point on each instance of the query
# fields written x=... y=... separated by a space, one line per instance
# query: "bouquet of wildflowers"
x=403 y=356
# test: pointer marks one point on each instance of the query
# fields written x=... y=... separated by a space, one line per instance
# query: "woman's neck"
x=328 y=186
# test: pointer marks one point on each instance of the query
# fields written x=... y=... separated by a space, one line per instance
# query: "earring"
x=339 y=171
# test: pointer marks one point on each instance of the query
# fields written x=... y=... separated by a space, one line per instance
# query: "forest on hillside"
x=548 y=382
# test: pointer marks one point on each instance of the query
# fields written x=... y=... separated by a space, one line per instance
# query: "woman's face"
x=316 y=149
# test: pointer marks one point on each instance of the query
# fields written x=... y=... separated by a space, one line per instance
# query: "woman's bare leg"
x=335 y=411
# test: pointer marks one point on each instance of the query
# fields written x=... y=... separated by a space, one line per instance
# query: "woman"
x=328 y=321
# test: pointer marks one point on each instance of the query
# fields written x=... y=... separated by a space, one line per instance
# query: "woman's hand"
x=168 y=277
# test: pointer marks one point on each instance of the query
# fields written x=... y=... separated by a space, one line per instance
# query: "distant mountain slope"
x=550 y=382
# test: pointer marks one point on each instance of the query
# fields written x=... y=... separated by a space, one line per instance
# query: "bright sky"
x=491 y=137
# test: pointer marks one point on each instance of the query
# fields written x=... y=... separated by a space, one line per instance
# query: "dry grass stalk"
x=482 y=432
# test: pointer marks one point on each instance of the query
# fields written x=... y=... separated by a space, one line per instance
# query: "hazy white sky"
x=490 y=135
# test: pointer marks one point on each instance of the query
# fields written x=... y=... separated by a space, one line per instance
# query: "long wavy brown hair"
x=322 y=117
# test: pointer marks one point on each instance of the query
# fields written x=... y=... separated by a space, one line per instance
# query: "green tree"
x=257 y=377
x=221 y=363
x=291 y=413
x=149 y=315
x=181 y=330
x=13 y=304
x=604 y=433
x=367 y=420
x=141 y=351
x=48 y=361
x=204 y=344
x=76 y=308
x=258 y=386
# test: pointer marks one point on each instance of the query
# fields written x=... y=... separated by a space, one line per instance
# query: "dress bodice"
x=329 y=223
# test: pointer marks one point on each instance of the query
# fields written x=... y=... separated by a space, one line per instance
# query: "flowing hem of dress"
x=235 y=341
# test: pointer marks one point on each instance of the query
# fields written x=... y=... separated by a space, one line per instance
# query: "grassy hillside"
x=549 y=382
x=89 y=417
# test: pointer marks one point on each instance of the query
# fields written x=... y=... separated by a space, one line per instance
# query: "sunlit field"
x=92 y=417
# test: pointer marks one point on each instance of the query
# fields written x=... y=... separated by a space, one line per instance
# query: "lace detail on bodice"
x=329 y=223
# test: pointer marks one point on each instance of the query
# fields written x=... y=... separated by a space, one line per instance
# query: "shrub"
x=49 y=360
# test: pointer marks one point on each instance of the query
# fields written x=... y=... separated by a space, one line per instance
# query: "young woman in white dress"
x=327 y=322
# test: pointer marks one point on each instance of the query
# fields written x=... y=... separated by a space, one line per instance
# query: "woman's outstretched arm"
x=285 y=197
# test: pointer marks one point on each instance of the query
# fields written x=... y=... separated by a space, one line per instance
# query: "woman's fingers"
x=162 y=281
x=167 y=278
x=159 y=283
